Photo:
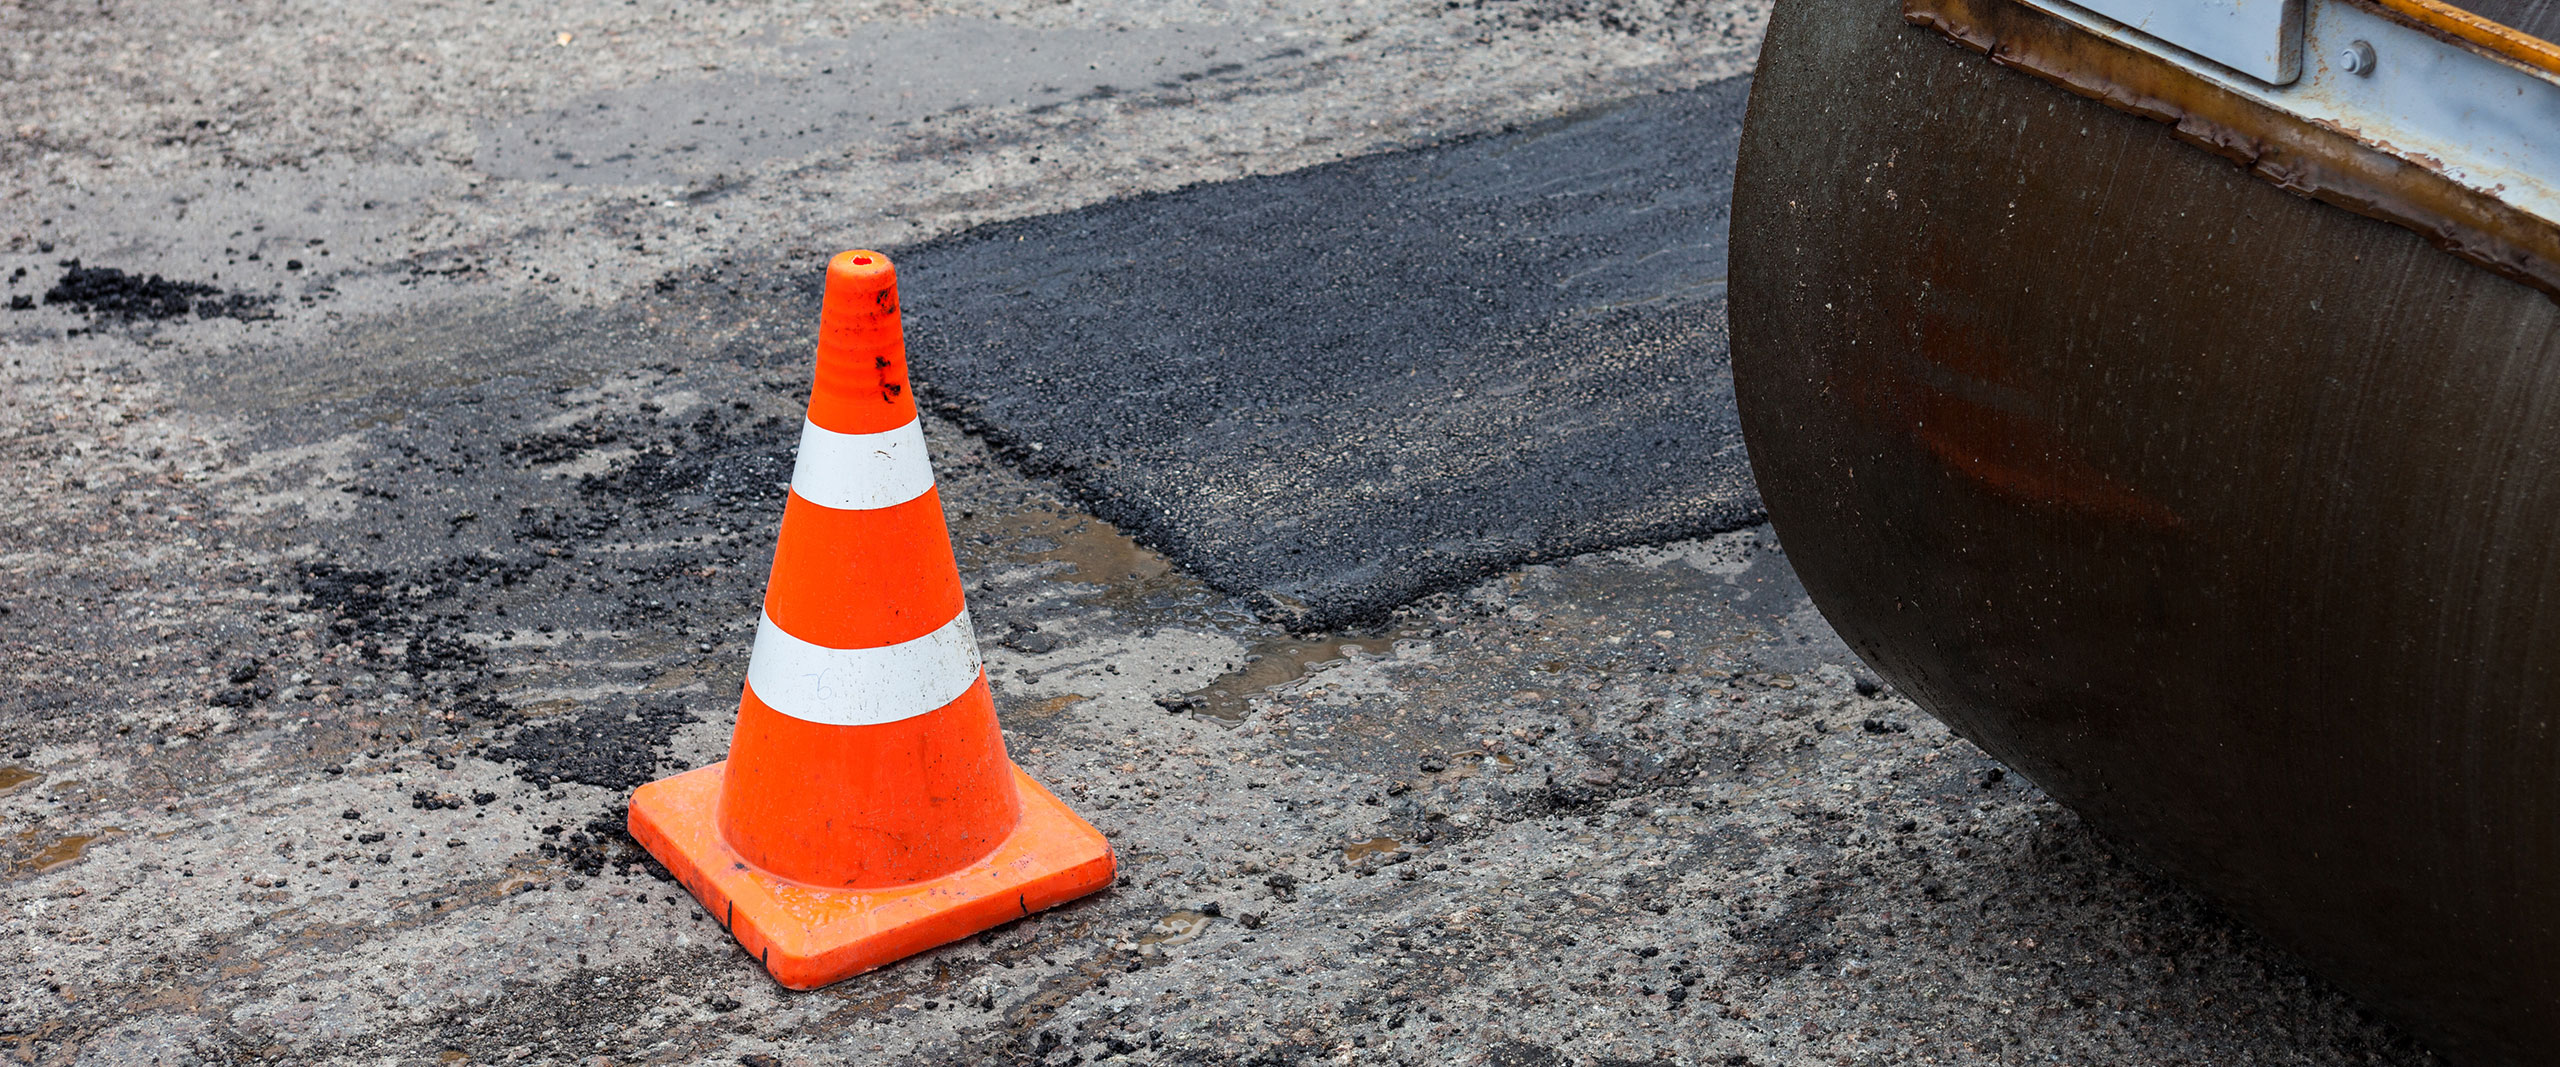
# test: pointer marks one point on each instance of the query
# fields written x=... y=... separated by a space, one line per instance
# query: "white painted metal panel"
x=2259 y=38
x=2487 y=124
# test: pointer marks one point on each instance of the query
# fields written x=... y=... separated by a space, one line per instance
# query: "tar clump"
x=107 y=294
x=602 y=842
x=613 y=744
x=556 y=446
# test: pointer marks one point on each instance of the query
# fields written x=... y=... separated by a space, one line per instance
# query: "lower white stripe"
x=863 y=686
x=861 y=471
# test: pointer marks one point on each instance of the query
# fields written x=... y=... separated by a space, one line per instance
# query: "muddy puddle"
x=1276 y=663
x=1095 y=552
x=39 y=854
x=1375 y=846
x=13 y=779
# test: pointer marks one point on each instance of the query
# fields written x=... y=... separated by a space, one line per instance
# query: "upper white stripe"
x=863 y=686
x=861 y=471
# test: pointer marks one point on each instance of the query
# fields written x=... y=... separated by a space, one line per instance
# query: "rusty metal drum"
x=2171 y=403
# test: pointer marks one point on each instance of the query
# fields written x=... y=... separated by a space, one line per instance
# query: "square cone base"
x=810 y=936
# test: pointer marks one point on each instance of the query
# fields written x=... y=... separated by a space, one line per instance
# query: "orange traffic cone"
x=867 y=810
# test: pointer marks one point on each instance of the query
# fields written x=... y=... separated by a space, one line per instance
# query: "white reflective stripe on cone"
x=861 y=471
x=862 y=686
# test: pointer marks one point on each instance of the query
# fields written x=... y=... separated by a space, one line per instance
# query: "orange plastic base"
x=809 y=936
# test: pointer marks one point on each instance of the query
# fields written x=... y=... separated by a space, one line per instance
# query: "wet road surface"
x=397 y=471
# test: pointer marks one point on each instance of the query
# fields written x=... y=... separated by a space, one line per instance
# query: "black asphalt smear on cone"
x=1341 y=388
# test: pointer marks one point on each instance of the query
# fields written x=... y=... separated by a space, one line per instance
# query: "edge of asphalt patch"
x=1341 y=388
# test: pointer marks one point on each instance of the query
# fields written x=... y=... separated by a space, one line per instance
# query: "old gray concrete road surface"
x=397 y=466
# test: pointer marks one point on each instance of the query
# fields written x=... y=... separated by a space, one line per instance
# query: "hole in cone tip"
x=862 y=261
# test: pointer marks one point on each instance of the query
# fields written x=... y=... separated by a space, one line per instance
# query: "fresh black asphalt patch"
x=1339 y=388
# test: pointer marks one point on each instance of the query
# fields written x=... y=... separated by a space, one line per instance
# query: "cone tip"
x=861 y=268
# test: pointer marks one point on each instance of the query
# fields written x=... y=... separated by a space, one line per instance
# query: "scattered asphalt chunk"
x=556 y=446
x=613 y=742
x=107 y=294
x=602 y=842
x=238 y=698
x=1341 y=388
x=1523 y=1054
x=1033 y=642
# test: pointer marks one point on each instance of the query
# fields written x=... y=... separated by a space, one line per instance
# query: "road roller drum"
x=2173 y=407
